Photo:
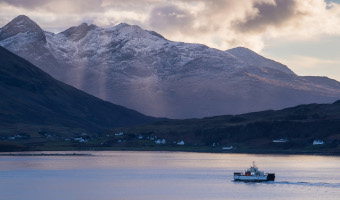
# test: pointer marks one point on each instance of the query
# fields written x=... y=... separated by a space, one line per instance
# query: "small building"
x=180 y=143
x=140 y=137
x=22 y=136
x=119 y=134
x=280 y=140
x=78 y=138
x=227 y=148
x=159 y=141
x=318 y=142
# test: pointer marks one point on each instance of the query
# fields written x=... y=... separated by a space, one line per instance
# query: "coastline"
x=38 y=152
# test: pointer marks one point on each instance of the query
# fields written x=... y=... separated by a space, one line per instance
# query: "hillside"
x=32 y=101
x=255 y=132
x=144 y=71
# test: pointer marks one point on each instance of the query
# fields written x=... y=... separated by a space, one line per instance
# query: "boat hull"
x=267 y=177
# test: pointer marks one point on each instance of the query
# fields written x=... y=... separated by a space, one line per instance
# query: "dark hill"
x=31 y=97
x=254 y=132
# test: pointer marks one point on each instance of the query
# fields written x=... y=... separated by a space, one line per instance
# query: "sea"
x=128 y=175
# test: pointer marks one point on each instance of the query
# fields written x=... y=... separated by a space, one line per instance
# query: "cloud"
x=311 y=62
x=57 y=6
x=310 y=66
x=25 y=4
x=170 y=18
x=274 y=14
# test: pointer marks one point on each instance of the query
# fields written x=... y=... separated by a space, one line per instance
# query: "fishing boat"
x=253 y=174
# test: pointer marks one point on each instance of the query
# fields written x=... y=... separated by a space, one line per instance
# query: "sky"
x=302 y=34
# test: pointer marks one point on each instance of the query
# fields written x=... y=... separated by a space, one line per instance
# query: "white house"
x=180 y=143
x=318 y=142
x=159 y=141
x=119 y=134
x=280 y=140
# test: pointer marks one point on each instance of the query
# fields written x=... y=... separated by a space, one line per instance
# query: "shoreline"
x=37 y=152
x=44 y=154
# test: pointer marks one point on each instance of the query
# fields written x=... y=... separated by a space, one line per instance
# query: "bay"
x=107 y=175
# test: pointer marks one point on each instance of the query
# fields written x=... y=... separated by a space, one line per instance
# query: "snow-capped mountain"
x=142 y=70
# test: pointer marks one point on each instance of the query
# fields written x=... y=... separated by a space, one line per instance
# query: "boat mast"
x=254 y=164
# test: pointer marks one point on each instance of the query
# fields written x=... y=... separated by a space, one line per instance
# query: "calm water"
x=165 y=175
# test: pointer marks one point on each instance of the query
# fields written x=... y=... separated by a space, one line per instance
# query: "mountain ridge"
x=144 y=71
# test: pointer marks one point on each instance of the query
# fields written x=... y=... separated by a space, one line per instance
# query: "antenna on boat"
x=254 y=164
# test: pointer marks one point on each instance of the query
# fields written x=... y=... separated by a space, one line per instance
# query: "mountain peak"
x=122 y=25
x=241 y=49
x=337 y=102
x=22 y=17
x=128 y=27
x=21 y=24
x=85 y=25
x=250 y=57
x=136 y=30
x=23 y=20
x=78 y=32
x=238 y=51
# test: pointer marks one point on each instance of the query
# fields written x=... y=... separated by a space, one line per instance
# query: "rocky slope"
x=142 y=70
x=32 y=98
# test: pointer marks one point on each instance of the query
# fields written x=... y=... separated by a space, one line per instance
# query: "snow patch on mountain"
x=254 y=59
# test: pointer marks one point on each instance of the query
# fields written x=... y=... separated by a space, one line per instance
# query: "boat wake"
x=320 y=184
